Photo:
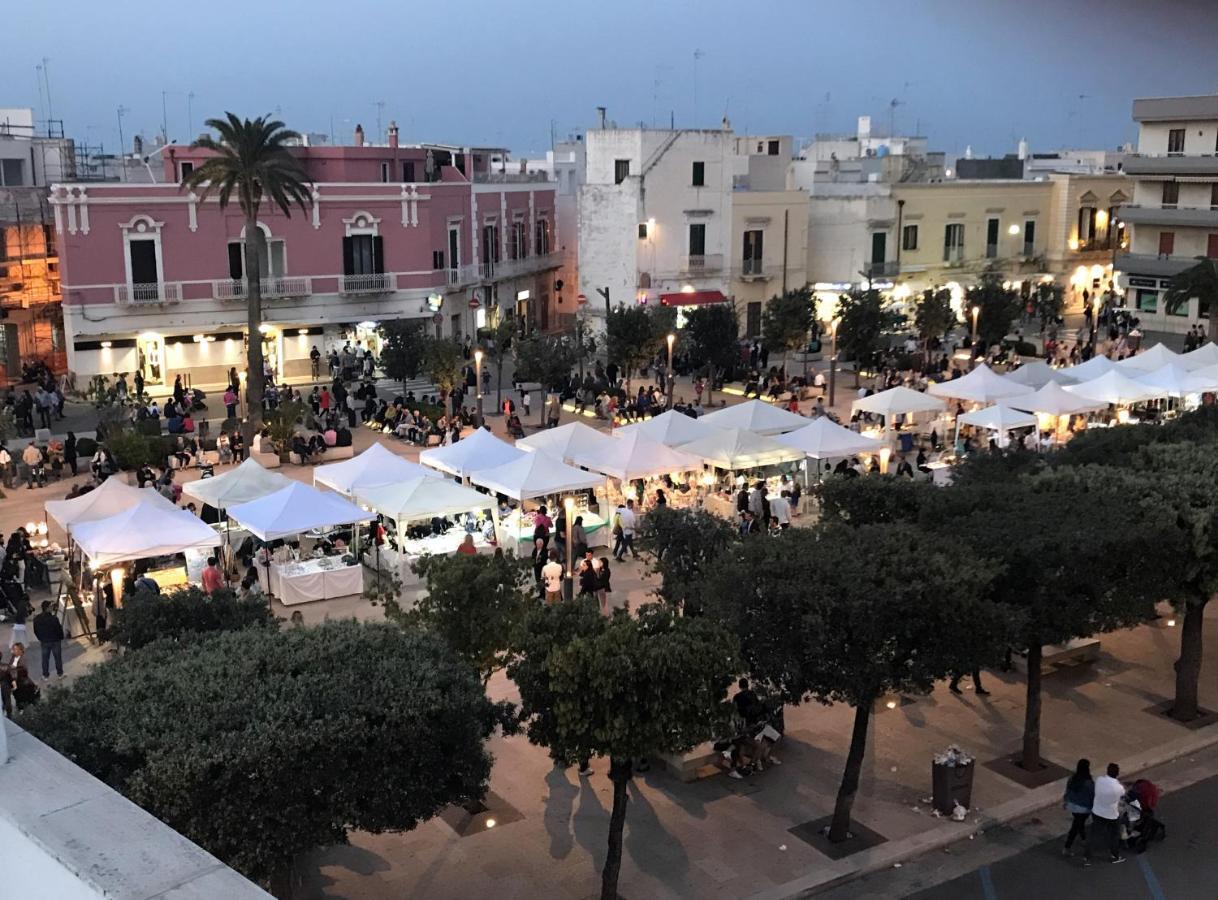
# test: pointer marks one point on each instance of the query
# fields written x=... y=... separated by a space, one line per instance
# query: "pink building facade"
x=153 y=276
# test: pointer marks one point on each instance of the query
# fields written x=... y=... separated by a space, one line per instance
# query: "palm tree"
x=252 y=159
x=1200 y=281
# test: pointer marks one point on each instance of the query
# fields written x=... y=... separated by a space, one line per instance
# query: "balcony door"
x=879 y=249
x=142 y=253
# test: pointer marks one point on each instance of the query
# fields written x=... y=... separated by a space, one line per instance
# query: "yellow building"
x=769 y=250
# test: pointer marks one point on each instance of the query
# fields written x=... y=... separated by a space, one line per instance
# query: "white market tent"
x=144 y=529
x=295 y=509
x=825 y=439
x=422 y=498
x=246 y=482
x=1092 y=368
x=734 y=448
x=1154 y=358
x=111 y=497
x=635 y=455
x=671 y=428
x=1054 y=400
x=757 y=417
x=898 y=400
x=481 y=450
x=566 y=442
x=998 y=418
x=1176 y=381
x=1038 y=373
x=535 y=475
x=982 y=385
x=374 y=467
x=1204 y=356
x=1115 y=388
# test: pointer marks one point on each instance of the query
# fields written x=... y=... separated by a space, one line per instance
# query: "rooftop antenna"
x=164 y=118
x=380 y=108
x=892 y=116
x=698 y=54
x=46 y=77
x=42 y=103
x=122 y=146
x=190 y=116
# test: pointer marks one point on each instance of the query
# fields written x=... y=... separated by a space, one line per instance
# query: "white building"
x=1174 y=215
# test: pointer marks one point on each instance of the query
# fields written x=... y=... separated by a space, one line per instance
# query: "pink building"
x=153 y=277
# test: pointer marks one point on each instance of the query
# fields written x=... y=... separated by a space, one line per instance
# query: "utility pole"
x=190 y=117
x=164 y=118
x=122 y=146
x=604 y=292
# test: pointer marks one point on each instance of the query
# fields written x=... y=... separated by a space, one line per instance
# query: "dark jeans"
x=1107 y=834
x=624 y=542
x=49 y=649
x=1078 y=829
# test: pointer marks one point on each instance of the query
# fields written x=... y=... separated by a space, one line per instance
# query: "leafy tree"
x=252 y=159
x=934 y=316
x=873 y=500
x=184 y=613
x=997 y=307
x=635 y=333
x=443 y=359
x=620 y=688
x=846 y=615
x=546 y=359
x=787 y=320
x=681 y=544
x=281 y=423
x=865 y=316
x=711 y=335
x=260 y=744
x=404 y=342
x=475 y=603
x=1048 y=301
x=1200 y=281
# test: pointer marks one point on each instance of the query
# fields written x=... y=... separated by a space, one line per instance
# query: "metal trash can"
x=952 y=781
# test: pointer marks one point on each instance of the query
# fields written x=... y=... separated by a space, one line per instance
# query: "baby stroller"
x=1142 y=823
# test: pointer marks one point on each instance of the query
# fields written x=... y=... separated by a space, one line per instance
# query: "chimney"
x=600 y=115
x=359 y=135
x=137 y=145
x=393 y=134
x=864 y=129
x=1023 y=148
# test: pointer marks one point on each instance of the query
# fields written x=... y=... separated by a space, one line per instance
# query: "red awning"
x=692 y=298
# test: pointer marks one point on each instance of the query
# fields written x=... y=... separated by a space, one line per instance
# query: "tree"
x=934 y=316
x=620 y=688
x=475 y=603
x=787 y=320
x=182 y=614
x=252 y=159
x=1200 y=281
x=281 y=424
x=260 y=745
x=544 y=358
x=403 y=344
x=873 y=500
x=442 y=360
x=711 y=335
x=497 y=345
x=997 y=307
x=864 y=317
x=1048 y=301
x=635 y=333
x=681 y=544
x=846 y=614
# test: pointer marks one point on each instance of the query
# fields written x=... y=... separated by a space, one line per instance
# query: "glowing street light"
x=478 y=381
x=672 y=339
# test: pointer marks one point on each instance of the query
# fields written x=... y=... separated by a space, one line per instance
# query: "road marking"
x=1156 y=892
x=987 y=885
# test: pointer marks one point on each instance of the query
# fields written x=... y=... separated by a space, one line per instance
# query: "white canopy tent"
x=1037 y=373
x=1054 y=400
x=897 y=401
x=1204 y=356
x=111 y=497
x=982 y=385
x=246 y=482
x=295 y=509
x=734 y=448
x=374 y=467
x=1176 y=381
x=1148 y=361
x=422 y=498
x=671 y=428
x=1115 y=388
x=1092 y=368
x=533 y=475
x=756 y=416
x=146 y=528
x=635 y=455
x=566 y=442
x=481 y=450
x=825 y=439
x=998 y=418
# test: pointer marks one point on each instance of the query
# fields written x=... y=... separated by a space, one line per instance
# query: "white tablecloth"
x=307 y=581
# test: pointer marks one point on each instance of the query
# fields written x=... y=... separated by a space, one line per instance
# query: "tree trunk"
x=1030 y=757
x=499 y=385
x=710 y=385
x=619 y=773
x=840 y=827
x=255 y=380
x=1188 y=666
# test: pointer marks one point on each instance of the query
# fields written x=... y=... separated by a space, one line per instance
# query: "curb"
x=884 y=856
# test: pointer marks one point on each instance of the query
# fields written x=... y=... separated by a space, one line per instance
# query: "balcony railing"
x=379 y=283
x=487 y=268
x=463 y=275
x=147 y=294
x=272 y=288
x=883 y=269
x=752 y=267
x=696 y=264
x=507 y=268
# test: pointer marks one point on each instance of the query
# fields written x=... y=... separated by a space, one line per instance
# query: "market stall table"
x=326 y=578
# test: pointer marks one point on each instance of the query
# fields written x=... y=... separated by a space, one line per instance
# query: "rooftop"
x=1175 y=109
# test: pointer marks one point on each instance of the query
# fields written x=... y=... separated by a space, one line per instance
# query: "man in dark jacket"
x=50 y=636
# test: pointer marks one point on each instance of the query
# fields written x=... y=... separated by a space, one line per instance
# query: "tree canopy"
x=997 y=307
x=546 y=359
x=934 y=315
x=183 y=613
x=402 y=348
x=681 y=544
x=442 y=360
x=635 y=333
x=1200 y=281
x=711 y=335
x=787 y=319
x=865 y=316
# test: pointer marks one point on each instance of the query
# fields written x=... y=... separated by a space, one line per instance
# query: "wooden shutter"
x=236 y=260
x=378 y=255
x=348 y=256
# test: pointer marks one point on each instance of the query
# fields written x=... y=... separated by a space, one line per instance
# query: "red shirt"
x=212 y=579
x=468 y=549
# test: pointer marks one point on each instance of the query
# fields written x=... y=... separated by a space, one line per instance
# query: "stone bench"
x=266 y=460
x=1074 y=652
x=332 y=454
x=700 y=762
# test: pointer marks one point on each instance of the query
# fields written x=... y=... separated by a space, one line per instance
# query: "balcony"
x=462 y=275
x=883 y=269
x=525 y=265
x=703 y=264
x=147 y=294
x=272 y=288
x=378 y=283
x=1171 y=165
x=1146 y=264
x=1183 y=218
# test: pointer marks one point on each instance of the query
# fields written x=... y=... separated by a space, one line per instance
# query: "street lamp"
x=672 y=339
x=976 y=313
x=568 y=504
x=478 y=382
x=833 y=361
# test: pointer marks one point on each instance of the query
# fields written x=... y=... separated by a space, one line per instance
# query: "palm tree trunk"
x=839 y=829
x=619 y=774
x=1186 y=706
x=254 y=380
x=1030 y=758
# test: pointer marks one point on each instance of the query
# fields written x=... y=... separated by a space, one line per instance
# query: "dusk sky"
x=985 y=73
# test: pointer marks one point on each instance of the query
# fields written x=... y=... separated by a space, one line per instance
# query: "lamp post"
x=672 y=339
x=568 y=505
x=478 y=382
x=833 y=361
x=976 y=313
x=1095 y=319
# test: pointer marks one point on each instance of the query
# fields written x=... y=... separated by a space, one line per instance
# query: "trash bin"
x=951 y=780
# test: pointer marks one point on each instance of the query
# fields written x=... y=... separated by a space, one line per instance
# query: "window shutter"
x=236 y=267
x=348 y=256
x=378 y=255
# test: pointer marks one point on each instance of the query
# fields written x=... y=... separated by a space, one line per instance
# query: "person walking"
x=1106 y=815
x=551 y=576
x=49 y=632
x=1080 y=793
x=628 y=520
x=213 y=578
x=69 y=452
x=604 y=586
x=954 y=686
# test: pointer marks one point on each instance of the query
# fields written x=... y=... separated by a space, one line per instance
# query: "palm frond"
x=1199 y=281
